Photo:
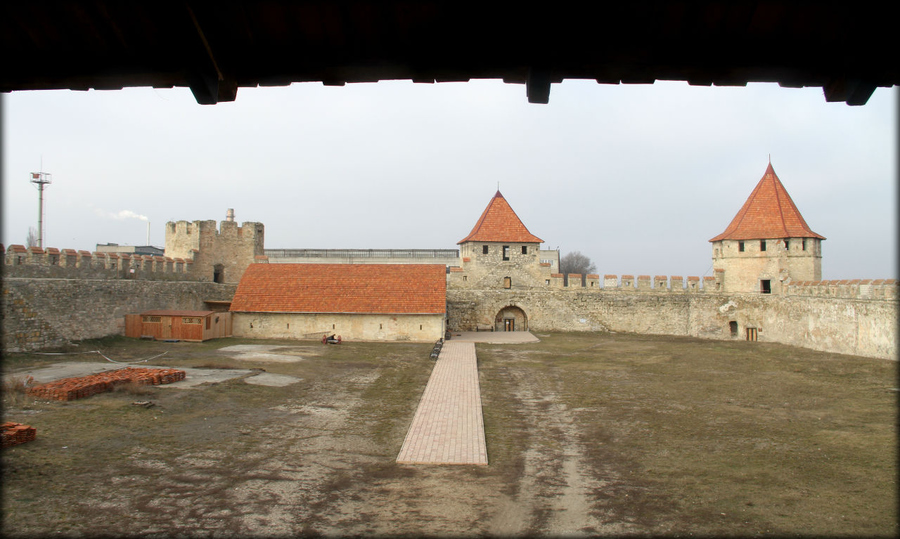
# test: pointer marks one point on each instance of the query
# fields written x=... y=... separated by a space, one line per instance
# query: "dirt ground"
x=586 y=433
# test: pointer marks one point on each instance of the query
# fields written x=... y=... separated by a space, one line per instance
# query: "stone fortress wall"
x=488 y=290
x=52 y=296
x=846 y=317
x=35 y=262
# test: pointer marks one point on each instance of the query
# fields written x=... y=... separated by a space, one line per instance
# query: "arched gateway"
x=511 y=319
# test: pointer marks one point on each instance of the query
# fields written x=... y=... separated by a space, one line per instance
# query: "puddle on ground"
x=263 y=353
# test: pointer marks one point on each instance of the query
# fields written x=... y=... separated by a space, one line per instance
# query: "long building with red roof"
x=357 y=301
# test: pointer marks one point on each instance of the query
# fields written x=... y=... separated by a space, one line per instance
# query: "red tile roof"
x=769 y=212
x=499 y=223
x=342 y=288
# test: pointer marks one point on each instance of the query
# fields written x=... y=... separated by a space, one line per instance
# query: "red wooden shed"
x=196 y=326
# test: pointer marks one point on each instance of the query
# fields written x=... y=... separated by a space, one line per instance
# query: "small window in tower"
x=524 y=249
x=484 y=249
x=787 y=245
x=547 y=281
x=804 y=244
x=507 y=282
x=762 y=245
x=741 y=246
x=465 y=277
x=506 y=252
x=765 y=286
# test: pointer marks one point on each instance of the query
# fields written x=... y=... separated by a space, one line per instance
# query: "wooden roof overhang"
x=214 y=48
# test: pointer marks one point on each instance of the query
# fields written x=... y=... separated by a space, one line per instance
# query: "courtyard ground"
x=586 y=434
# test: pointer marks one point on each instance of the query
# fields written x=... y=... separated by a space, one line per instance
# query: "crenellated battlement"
x=850 y=289
x=660 y=284
x=643 y=284
x=210 y=229
x=35 y=262
x=220 y=252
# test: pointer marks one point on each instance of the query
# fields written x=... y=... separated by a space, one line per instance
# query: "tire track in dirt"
x=556 y=492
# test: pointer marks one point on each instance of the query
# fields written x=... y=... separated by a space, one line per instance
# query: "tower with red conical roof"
x=767 y=244
x=500 y=252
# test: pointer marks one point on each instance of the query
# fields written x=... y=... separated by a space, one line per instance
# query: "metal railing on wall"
x=362 y=253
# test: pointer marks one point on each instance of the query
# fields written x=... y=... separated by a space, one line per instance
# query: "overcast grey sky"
x=638 y=177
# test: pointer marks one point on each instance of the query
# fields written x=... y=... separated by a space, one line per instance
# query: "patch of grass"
x=211 y=365
x=14 y=391
x=134 y=389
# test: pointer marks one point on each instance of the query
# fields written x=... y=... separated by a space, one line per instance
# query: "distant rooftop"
x=131 y=249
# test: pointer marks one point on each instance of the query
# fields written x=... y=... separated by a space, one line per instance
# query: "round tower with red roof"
x=767 y=244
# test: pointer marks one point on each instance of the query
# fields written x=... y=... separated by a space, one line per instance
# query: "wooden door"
x=165 y=327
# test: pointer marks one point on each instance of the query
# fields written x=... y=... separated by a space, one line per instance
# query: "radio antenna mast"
x=41 y=179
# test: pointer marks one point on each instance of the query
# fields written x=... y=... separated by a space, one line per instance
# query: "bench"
x=436 y=351
x=484 y=327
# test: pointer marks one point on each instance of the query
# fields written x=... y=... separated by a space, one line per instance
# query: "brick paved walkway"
x=448 y=427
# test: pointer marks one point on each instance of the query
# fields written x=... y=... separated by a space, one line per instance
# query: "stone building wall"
x=356 y=327
x=745 y=269
x=479 y=270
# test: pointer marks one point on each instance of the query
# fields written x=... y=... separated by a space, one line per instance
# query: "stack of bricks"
x=78 y=388
x=16 y=433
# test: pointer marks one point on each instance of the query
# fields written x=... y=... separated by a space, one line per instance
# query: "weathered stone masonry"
x=51 y=297
x=43 y=313
x=852 y=324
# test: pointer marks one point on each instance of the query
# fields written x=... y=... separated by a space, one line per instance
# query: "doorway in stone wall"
x=511 y=319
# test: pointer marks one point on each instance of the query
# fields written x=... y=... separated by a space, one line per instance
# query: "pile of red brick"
x=69 y=389
x=16 y=433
